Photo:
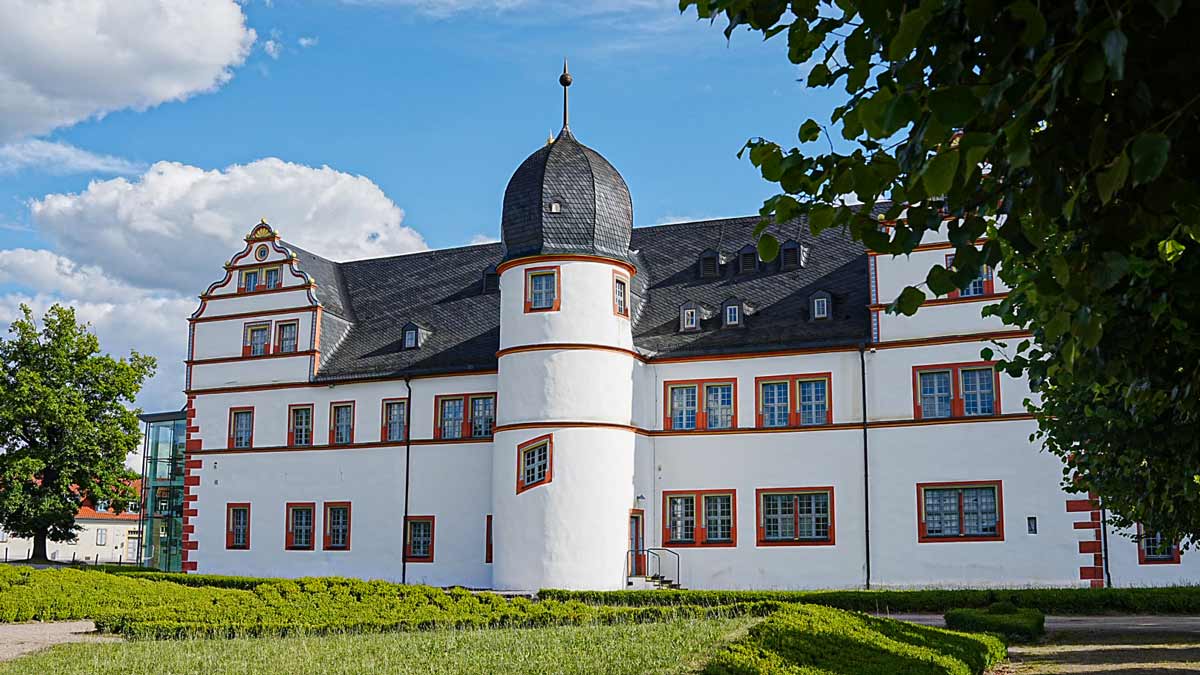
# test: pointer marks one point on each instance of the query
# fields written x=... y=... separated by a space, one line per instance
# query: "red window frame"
x=619 y=276
x=529 y=273
x=383 y=419
x=279 y=336
x=229 y=443
x=487 y=539
x=262 y=278
x=467 y=423
x=333 y=419
x=246 y=329
x=548 y=439
x=326 y=538
x=793 y=383
x=288 y=533
x=701 y=402
x=432 y=520
x=1175 y=559
x=701 y=529
x=989 y=280
x=957 y=408
x=760 y=531
x=923 y=538
x=230 y=507
x=291 y=428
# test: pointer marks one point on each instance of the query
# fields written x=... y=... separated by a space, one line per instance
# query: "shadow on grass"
x=1112 y=654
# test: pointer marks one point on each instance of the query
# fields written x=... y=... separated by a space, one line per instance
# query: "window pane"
x=731 y=314
x=250 y=280
x=420 y=538
x=339 y=526
x=979 y=511
x=343 y=424
x=812 y=515
x=287 y=337
x=775 y=404
x=681 y=518
x=1156 y=547
x=683 y=407
x=619 y=296
x=820 y=308
x=272 y=278
x=258 y=341
x=483 y=414
x=243 y=428
x=395 y=421
x=302 y=426
x=452 y=418
x=535 y=463
x=718 y=518
x=239 y=522
x=718 y=405
x=302 y=523
x=779 y=520
x=935 y=394
x=542 y=289
x=978 y=391
x=410 y=339
x=813 y=402
x=941 y=513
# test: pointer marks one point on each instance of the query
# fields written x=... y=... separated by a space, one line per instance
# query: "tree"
x=65 y=428
x=1066 y=134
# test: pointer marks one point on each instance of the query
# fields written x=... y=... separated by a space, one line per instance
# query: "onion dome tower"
x=563 y=451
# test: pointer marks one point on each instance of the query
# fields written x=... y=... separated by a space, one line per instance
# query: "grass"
x=1123 y=653
x=631 y=649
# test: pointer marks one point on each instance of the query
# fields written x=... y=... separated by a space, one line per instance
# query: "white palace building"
x=586 y=404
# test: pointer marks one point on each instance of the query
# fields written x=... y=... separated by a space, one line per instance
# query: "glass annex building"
x=161 y=521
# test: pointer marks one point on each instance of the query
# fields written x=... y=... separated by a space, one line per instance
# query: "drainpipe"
x=407 y=464
x=1104 y=544
x=862 y=370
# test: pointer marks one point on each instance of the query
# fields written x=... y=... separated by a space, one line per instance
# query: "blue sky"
x=420 y=109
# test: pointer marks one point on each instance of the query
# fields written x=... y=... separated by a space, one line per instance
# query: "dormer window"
x=733 y=315
x=820 y=306
x=747 y=260
x=555 y=206
x=410 y=336
x=691 y=319
x=710 y=265
x=789 y=255
x=491 y=280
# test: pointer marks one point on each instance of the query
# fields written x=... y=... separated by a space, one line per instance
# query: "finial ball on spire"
x=565 y=79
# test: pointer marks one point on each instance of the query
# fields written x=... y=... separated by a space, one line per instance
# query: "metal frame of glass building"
x=161 y=522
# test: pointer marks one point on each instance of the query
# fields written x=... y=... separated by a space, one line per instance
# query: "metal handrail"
x=677 y=579
x=652 y=552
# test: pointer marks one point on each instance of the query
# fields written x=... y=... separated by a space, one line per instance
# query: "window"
x=699 y=404
x=1155 y=549
x=241 y=427
x=491 y=281
x=418 y=540
x=700 y=518
x=733 y=315
x=337 y=526
x=487 y=539
x=690 y=319
x=710 y=265
x=542 y=289
x=535 y=463
x=789 y=256
x=795 y=400
x=272 y=277
x=795 y=516
x=101 y=536
x=3 y=536
x=483 y=415
x=971 y=511
x=257 y=339
x=747 y=260
x=260 y=279
x=300 y=425
x=956 y=390
x=983 y=285
x=410 y=338
x=820 y=308
x=620 y=295
x=300 y=517
x=250 y=280
x=555 y=206
x=237 y=526
x=102 y=505
x=813 y=402
x=774 y=409
x=341 y=423
x=285 y=342
x=394 y=414
x=133 y=507
x=450 y=423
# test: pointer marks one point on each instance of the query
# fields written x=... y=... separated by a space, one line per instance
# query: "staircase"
x=652 y=577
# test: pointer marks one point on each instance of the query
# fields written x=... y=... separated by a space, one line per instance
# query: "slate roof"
x=596 y=214
x=442 y=291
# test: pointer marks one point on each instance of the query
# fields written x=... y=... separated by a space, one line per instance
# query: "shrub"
x=1015 y=624
x=1169 y=600
x=812 y=639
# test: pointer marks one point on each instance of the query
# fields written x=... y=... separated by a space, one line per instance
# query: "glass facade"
x=161 y=521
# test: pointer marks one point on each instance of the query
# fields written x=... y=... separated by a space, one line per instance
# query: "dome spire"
x=565 y=81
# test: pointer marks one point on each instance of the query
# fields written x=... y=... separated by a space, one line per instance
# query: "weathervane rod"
x=565 y=81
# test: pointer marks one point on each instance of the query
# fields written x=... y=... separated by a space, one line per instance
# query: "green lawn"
x=673 y=647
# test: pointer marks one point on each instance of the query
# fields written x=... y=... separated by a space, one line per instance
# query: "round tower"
x=563 y=462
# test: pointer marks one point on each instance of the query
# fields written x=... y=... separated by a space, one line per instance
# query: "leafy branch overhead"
x=1055 y=141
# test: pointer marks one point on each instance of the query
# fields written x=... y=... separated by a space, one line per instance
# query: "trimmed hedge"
x=1167 y=600
x=1003 y=618
x=812 y=640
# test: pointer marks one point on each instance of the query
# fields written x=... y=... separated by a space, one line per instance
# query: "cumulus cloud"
x=483 y=239
x=61 y=158
x=64 y=61
x=305 y=42
x=273 y=49
x=174 y=225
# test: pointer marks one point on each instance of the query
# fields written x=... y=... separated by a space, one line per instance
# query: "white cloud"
x=306 y=42
x=65 y=61
x=61 y=158
x=483 y=239
x=272 y=48
x=174 y=226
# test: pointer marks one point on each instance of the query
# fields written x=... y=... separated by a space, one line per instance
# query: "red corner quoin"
x=1092 y=570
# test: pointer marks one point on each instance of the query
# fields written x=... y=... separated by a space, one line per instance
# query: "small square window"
x=541 y=293
x=535 y=463
x=1031 y=525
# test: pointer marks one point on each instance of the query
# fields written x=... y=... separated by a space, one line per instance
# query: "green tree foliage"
x=65 y=428
x=1065 y=133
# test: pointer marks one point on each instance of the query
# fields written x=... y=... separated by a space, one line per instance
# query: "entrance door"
x=637 y=543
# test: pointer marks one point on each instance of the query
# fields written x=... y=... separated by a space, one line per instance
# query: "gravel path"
x=17 y=639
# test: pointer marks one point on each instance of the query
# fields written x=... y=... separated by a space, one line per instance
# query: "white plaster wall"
x=585 y=312
x=572 y=532
x=904 y=456
x=747 y=462
x=218 y=339
x=84 y=548
x=1127 y=572
x=566 y=385
x=249 y=372
x=896 y=272
x=231 y=303
x=952 y=319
